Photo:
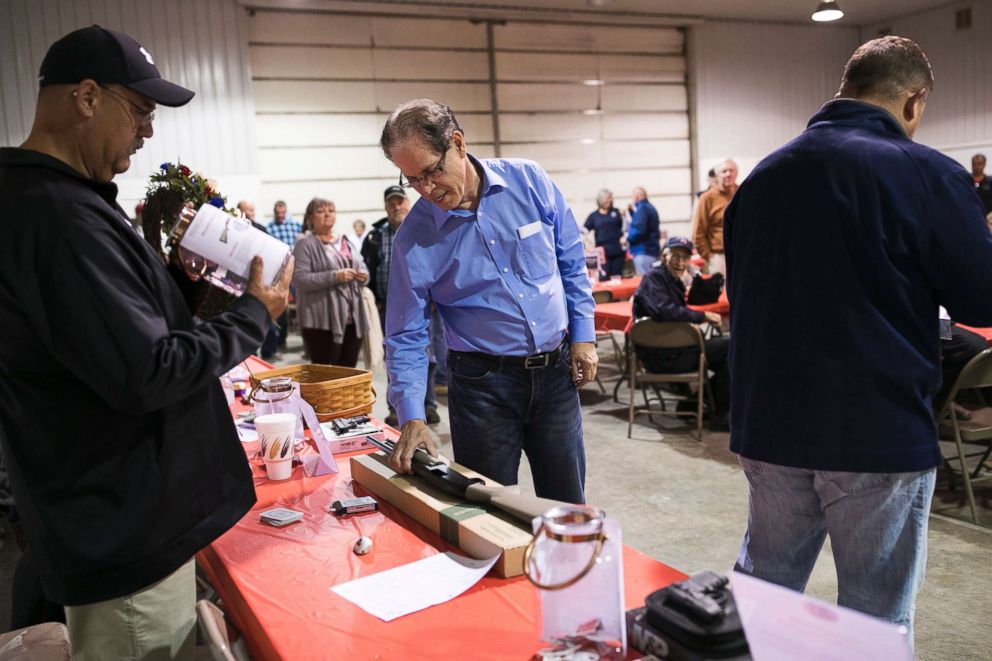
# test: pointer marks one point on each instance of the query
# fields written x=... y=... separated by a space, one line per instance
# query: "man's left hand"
x=584 y=363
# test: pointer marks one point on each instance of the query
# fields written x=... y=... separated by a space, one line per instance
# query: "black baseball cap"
x=109 y=57
x=393 y=191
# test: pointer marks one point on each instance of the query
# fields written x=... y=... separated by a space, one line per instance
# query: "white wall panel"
x=320 y=135
x=646 y=98
x=314 y=96
x=958 y=117
x=214 y=133
x=549 y=96
x=430 y=64
x=588 y=38
x=647 y=154
x=563 y=126
x=461 y=96
x=325 y=163
x=325 y=130
x=579 y=67
x=311 y=62
x=303 y=28
x=429 y=33
x=645 y=126
x=757 y=85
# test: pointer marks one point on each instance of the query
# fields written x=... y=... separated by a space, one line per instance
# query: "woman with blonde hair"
x=328 y=278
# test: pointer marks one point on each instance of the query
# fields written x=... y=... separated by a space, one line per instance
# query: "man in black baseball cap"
x=109 y=57
x=141 y=467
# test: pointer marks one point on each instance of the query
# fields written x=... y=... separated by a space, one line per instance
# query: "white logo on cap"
x=148 y=56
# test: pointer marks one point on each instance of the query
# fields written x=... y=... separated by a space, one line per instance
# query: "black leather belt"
x=535 y=362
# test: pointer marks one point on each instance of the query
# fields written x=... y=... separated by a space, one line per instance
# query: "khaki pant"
x=158 y=622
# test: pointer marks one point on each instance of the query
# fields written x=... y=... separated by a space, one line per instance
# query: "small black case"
x=693 y=638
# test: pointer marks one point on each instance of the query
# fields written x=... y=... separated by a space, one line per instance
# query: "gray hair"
x=886 y=68
x=424 y=119
x=602 y=195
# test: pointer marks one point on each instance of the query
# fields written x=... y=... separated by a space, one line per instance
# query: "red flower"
x=185 y=171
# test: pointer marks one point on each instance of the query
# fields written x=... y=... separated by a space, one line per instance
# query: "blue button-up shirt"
x=508 y=279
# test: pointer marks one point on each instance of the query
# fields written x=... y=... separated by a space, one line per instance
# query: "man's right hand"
x=714 y=318
x=414 y=435
x=275 y=298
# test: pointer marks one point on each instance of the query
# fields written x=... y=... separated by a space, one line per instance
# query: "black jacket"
x=372 y=255
x=840 y=247
x=984 y=190
x=661 y=296
x=122 y=452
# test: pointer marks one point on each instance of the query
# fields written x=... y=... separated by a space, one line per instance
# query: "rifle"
x=473 y=489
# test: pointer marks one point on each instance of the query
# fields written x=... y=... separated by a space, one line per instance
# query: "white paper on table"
x=783 y=625
x=245 y=433
x=424 y=583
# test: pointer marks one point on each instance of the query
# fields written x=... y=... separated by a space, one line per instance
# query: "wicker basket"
x=332 y=391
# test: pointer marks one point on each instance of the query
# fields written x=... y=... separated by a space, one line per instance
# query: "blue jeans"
x=877 y=524
x=642 y=263
x=496 y=414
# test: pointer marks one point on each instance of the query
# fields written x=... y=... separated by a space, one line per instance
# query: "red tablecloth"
x=984 y=332
x=275 y=583
x=621 y=290
x=614 y=316
x=618 y=316
x=721 y=307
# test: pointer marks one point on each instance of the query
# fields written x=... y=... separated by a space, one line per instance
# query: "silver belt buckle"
x=537 y=362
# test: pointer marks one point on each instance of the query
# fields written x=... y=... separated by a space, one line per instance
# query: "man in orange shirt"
x=708 y=220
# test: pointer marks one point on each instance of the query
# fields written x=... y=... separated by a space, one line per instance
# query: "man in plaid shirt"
x=286 y=230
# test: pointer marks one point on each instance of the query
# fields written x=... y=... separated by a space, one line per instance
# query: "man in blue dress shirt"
x=493 y=245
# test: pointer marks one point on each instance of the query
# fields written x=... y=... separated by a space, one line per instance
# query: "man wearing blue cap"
x=661 y=297
x=122 y=452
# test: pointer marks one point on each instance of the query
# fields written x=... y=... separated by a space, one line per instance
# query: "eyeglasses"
x=142 y=117
x=430 y=175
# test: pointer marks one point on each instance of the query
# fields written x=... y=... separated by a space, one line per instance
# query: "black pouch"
x=700 y=623
x=705 y=290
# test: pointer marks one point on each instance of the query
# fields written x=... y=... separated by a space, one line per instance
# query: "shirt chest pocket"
x=535 y=256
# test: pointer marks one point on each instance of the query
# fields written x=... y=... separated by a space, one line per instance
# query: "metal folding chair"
x=671 y=335
x=976 y=374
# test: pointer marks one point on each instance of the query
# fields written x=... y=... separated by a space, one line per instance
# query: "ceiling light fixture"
x=826 y=11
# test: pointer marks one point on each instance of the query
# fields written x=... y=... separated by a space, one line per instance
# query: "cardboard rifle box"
x=479 y=532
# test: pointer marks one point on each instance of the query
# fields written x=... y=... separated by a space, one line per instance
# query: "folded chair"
x=670 y=335
x=215 y=631
x=976 y=374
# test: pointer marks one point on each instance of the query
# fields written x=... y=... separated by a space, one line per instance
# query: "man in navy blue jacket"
x=644 y=236
x=860 y=234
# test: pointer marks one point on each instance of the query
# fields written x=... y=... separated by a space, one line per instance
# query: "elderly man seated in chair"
x=661 y=296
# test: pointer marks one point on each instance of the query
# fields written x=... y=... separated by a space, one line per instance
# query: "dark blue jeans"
x=495 y=415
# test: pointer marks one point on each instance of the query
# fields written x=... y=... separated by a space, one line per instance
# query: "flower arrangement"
x=170 y=188
x=192 y=187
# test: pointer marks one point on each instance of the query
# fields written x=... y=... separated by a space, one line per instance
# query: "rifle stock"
x=507 y=499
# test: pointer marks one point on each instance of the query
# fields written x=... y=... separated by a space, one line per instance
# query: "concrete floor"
x=685 y=503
